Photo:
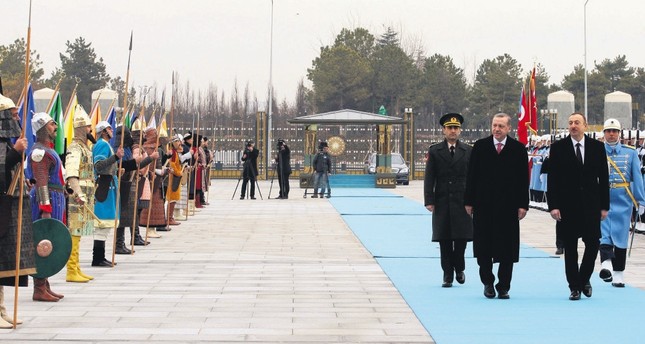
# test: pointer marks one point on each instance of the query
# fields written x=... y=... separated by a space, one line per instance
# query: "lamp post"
x=585 y=34
x=269 y=121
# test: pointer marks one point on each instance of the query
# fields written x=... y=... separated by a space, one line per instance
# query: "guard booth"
x=384 y=178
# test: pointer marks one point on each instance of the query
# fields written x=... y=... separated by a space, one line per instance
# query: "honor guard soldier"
x=80 y=179
x=10 y=159
x=625 y=193
x=48 y=193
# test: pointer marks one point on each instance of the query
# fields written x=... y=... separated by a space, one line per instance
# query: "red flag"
x=533 y=109
x=523 y=119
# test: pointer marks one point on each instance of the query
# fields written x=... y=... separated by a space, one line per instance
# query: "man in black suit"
x=578 y=198
x=250 y=168
x=443 y=190
x=497 y=196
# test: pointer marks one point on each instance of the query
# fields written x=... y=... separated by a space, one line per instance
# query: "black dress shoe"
x=587 y=290
x=252 y=197
x=460 y=277
x=575 y=295
x=489 y=291
x=446 y=284
x=559 y=250
x=503 y=294
x=618 y=285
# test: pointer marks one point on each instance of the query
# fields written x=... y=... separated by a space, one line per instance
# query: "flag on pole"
x=56 y=112
x=95 y=118
x=533 y=104
x=111 y=118
x=69 y=120
x=30 y=108
x=523 y=119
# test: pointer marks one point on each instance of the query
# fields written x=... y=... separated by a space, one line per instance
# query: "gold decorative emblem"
x=336 y=145
x=44 y=248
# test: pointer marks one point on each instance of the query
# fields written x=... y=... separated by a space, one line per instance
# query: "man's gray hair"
x=503 y=115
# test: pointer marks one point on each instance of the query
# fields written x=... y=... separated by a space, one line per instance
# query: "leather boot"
x=120 y=242
x=98 y=255
x=198 y=201
x=50 y=291
x=171 y=214
x=78 y=268
x=41 y=293
x=138 y=240
x=72 y=263
x=152 y=233
x=4 y=316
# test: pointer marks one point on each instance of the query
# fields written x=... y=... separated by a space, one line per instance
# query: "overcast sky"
x=215 y=41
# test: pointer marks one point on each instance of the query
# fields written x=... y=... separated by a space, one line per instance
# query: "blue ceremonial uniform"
x=615 y=228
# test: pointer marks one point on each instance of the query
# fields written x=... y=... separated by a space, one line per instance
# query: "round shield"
x=53 y=246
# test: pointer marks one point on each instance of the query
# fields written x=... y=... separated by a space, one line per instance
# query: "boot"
x=120 y=242
x=171 y=214
x=50 y=291
x=138 y=240
x=41 y=293
x=152 y=233
x=4 y=316
x=98 y=255
x=198 y=201
x=78 y=269
x=72 y=263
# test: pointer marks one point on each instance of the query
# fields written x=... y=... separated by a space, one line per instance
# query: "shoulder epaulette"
x=630 y=147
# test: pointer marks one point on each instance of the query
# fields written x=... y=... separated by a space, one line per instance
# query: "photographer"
x=250 y=168
x=322 y=168
x=283 y=160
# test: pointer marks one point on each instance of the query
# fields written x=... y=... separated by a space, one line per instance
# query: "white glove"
x=641 y=209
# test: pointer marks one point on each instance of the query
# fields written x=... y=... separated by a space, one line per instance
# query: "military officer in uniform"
x=443 y=190
x=625 y=192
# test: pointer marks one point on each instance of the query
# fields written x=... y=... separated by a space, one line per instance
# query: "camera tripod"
x=257 y=185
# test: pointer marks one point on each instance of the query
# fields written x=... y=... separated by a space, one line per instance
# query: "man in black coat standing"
x=443 y=190
x=578 y=199
x=283 y=160
x=497 y=196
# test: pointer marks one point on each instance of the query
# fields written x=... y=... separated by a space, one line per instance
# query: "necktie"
x=499 y=147
x=578 y=153
x=452 y=150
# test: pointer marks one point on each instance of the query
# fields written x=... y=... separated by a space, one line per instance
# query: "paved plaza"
x=264 y=271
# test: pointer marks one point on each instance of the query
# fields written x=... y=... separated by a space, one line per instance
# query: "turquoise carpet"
x=397 y=232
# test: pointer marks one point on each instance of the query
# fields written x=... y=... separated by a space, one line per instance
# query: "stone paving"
x=263 y=271
x=253 y=270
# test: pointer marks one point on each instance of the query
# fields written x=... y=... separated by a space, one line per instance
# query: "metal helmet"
x=81 y=119
x=39 y=121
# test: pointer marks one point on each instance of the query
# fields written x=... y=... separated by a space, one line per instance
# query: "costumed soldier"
x=48 y=193
x=189 y=157
x=141 y=195
x=128 y=193
x=201 y=173
x=283 y=159
x=207 y=169
x=157 y=209
x=249 y=168
x=80 y=179
x=322 y=168
x=10 y=158
x=105 y=170
x=443 y=190
x=173 y=194
x=625 y=192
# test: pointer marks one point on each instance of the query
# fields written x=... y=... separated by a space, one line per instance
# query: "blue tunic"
x=106 y=210
x=615 y=228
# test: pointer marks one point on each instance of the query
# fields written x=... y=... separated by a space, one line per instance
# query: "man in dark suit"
x=250 y=168
x=497 y=196
x=443 y=190
x=578 y=198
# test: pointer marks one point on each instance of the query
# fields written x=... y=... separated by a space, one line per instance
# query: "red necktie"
x=499 y=147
